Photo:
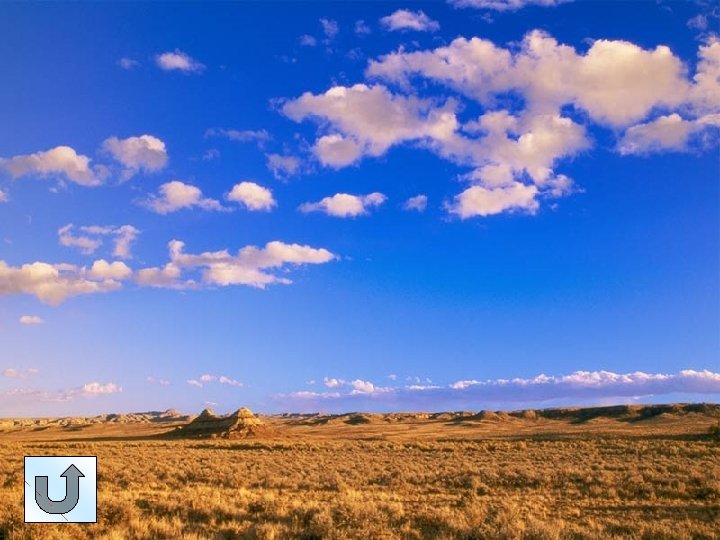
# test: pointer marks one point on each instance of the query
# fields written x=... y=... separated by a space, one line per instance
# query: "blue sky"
x=343 y=206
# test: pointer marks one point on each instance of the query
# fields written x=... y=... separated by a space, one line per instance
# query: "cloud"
x=417 y=203
x=330 y=28
x=54 y=283
x=125 y=236
x=307 y=40
x=337 y=151
x=143 y=153
x=308 y=395
x=368 y=120
x=699 y=22
x=89 y=390
x=250 y=266
x=252 y=196
x=95 y=388
x=580 y=386
x=212 y=153
x=404 y=19
x=207 y=378
x=333 y=383
x=361 y=28
x=345 y=205
x=128 y=63
x=3 y=196
x=259 y=136
x=705 y=92
x=91 y=238
x=417 y=380
x=480 y=201
x=283 y=166
x=156 y=380
x=512 y=152
x=30 y=320
x=167 y=276
x=102 y=270
x=85 y=244
x=178 y=61
x=670 y=132
x=12 y=373
x=550 y=74
x=177 y=195
x=62 y=162
x=362 y=387
x=504 y=5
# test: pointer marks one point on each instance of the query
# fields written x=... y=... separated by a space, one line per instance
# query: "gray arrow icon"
x=72 y=492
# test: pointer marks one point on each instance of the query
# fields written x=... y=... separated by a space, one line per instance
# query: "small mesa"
x=240 y=424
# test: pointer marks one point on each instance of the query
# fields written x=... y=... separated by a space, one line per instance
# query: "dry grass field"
x=575 y=474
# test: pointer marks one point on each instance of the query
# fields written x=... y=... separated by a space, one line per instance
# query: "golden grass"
x=542 y=485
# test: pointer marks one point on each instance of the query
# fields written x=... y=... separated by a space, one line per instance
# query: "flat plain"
x=630 y=472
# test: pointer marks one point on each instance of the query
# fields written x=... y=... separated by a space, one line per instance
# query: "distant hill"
x=575 y=415
x=169 y=415
x=674 y=420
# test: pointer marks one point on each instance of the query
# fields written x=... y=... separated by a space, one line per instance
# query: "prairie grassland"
x=647 y=486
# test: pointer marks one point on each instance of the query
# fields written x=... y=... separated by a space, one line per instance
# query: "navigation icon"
x=60 y=489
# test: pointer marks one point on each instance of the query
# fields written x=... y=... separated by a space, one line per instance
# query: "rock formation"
x=240 y=424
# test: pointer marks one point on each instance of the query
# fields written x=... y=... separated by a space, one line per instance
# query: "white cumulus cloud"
x=512 y=154
x=481 y=201
x=253 y=196
x=62 y=162
x=404 y=19
x=251 y=265
x=143 y=153
x=178 y=61
x=176 y=195
x=368 y=120
x=332 y=382
x=345 y=204
x=95 y=388
x=362 y=387
x=116 y=270
x=550 y=74
x=167 y=276
x=669 y=132
x=54 y=283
